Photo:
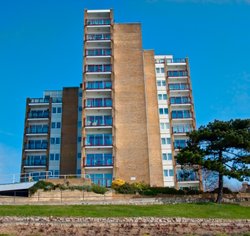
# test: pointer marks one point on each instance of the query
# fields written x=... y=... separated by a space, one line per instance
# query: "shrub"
x=117 y=183
x=126 y=189
x=225 y=190
x=98 y=189
x=140 y=186
x=46 y=186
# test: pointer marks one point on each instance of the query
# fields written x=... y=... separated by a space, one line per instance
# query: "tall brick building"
x=136 y=110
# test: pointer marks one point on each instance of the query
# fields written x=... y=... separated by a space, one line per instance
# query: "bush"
x=117 y=183
x=98 y=189
x=126 y=189
x=46 y=186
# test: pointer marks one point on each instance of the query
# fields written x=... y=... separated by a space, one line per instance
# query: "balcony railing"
x=98 y=52
x=92 y=37
x=98 y=21
x=39 y=100
x=176 y=60
x=36 y=146
x=38 y=114
x=98 y=121
x=181 y=114
x=98 y=102
x=98 y=85
x=180 y=100
x=98 y=140
x=98 y=68
x=34 y=162
x=37 y=130
x=177 y=73
x=178 y=129
x=178 y=86
x=184 y=176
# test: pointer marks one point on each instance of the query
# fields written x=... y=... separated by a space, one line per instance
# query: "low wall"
x=121 y=226
x=83 y=197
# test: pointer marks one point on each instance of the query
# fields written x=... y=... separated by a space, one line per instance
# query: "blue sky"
x=41 y=48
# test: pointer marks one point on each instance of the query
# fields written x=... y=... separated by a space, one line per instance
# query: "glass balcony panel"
x=177 y=73
x=99 y=159
x=98 y=121
x=98 y=140
x=99 y=102
x=93 y=37
x=98 y=68
x=98 y=52
x=187 y=175
x=99 y=85
x=98 y=22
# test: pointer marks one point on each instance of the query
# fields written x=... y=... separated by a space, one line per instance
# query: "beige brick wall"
x=130 y=127
x=153 y=129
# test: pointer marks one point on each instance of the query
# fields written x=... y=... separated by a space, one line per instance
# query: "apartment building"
x=52 y=135
x=137 y=109
x=128 y=121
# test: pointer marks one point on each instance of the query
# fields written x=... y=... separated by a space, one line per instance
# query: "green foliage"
x=98 y=189
x=225 y=190
x=221 y=146
x=46 y=186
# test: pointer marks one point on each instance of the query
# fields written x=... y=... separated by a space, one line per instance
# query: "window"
x=80 y=94
x=57 y=157
x=164 y=125
x=162 y=96
x=180 y=143
x=79 y=139
x=164 y=157
x=59 y=110
x=79 y=124
x=163 y=83
x=163 y=111
x=169 y=156
x=80 y=108
x=79 y=172
x=165 y=141
x=157 y=70
x=58 y=125
x=57 y=140
x=54 y=110
x=52 y=140
x=52 y=157
x=168 y=173
x=158 y=83
x=56 y=173
x=79 y=156
x=181 y=114
x=53 y=125
x=162 y=70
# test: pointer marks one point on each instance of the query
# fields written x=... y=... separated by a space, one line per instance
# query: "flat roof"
x=16 y=186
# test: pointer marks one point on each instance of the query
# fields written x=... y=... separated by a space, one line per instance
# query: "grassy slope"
x=224 y=211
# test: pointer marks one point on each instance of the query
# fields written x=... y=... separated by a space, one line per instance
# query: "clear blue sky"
x=41 y=48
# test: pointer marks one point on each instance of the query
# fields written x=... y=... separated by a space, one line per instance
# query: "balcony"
x=177 y=73
x=180 y=143
x=37 y=129
x=101 y=179
x=176 y=60
x=98 y=140
x=178 y=86
x=187 y=175
x=98 y=121
x=180 y=100
x=36 y=146
x=98 y=85
x=98 y=52
x=34 y=163
x=96 y=22
x=182 y=114
x=39 y=101
x=98 y=103
x=98 y=37
x=105 y=68
x=38 y=114
x=100 y=159
x=182 y=129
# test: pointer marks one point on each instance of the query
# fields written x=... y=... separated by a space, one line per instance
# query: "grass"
x=205 y=210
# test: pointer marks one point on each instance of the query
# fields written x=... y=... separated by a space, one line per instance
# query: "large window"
x=163 y=111
x=180 y=114
x=103 y=179
x=180 y=143
x=187 y=175
x=98 y=140
x=98 y=120
x=165 y=141
x=179 y=86
x=99 y=159
x=35 y=160
x=180 y=100
x=178 y=73
x=98 y=102
x=37 y=144
x=182 y=128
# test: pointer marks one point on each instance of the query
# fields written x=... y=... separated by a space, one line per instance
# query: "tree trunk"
x=220 y=189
